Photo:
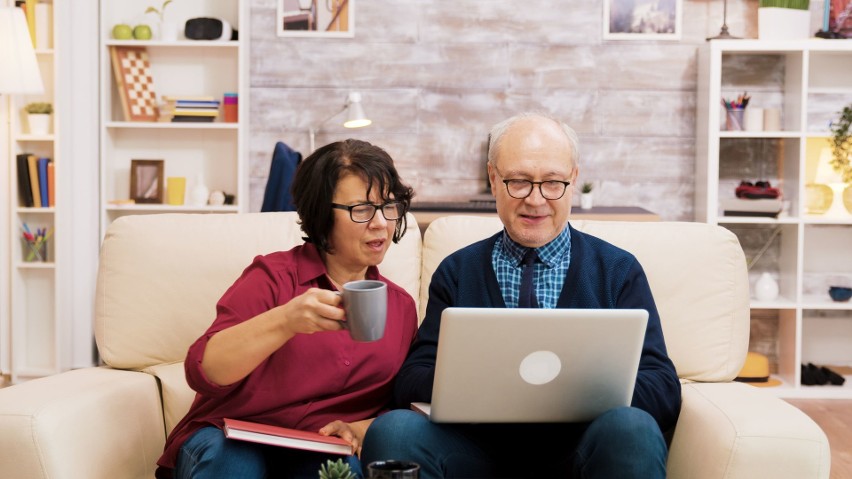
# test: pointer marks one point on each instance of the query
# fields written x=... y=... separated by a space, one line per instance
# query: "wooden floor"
x=834 y=416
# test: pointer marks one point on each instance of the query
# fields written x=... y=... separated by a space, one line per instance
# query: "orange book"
x=32 y=160
x=51 y=185
x=286 y=437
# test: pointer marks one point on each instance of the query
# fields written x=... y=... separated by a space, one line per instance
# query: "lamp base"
x=837 y=208
x=724 y=35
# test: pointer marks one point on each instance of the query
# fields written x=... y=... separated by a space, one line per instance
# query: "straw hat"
x=755 y=371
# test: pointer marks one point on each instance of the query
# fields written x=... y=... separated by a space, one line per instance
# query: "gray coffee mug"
x=366 y=305
x=393 y=470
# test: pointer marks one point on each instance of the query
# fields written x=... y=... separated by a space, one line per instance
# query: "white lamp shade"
x=355 y=116
x=19 y=71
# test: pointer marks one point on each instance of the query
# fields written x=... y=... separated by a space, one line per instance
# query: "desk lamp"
x=355 y=117
x=723 y=34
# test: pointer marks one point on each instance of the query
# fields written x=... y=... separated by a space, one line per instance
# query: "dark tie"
x=526 y=297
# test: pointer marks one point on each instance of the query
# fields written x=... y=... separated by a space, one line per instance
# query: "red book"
x=286 y=437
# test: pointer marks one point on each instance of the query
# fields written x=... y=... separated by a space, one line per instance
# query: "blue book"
x=42 y=180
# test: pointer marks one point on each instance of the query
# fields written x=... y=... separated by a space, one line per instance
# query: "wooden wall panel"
x=435 y=75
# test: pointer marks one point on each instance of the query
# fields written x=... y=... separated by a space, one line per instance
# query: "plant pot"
x=783 y=23
x=586 y=201
x=168 y=31
x=39 y=123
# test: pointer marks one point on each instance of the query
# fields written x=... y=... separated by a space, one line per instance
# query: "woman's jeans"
x=624 y=442
x=209 y=454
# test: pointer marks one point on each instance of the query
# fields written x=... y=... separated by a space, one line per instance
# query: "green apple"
x=122 y=31
x=142 y=32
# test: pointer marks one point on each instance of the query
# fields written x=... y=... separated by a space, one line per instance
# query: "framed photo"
x=642 y=19
x=146 y=181
x=839 y=16
x=316 y=18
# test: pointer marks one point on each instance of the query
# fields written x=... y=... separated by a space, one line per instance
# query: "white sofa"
x=161 y=275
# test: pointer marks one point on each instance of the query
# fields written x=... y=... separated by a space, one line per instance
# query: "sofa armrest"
x=94 y=423
x=733 y=430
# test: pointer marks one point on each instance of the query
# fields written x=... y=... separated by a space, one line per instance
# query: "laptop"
x=534 y=365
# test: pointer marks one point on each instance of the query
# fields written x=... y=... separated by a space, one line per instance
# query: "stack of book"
x=36 y=183
x=189 y=108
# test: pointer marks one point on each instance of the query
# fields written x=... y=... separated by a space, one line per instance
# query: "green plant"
x=336 y=470
x=39 y=108
x=159 y=11
x=841 y=144
x=587 y=187
x=794 y=4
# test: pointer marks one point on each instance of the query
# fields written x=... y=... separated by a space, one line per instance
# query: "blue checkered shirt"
x=548 y=274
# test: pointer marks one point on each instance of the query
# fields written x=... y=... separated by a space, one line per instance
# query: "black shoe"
x=834 y=378
x=820 y=377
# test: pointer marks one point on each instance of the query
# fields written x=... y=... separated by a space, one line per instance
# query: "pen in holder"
x=734 y=119
x=735 y=112
x=34 y=246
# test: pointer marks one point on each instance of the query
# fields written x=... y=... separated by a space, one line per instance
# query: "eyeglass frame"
x=532 y=184
x=381 y=207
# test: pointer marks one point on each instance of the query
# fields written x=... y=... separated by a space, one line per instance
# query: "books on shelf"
x=285 y=437
x=189 y=108
x=39 y=16
x=36 y=181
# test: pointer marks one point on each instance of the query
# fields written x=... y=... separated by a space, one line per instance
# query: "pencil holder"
x=33 y=251
x=734 y=119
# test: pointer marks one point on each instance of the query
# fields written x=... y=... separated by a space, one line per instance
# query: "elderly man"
x=533 y=165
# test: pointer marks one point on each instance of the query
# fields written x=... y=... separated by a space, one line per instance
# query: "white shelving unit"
x=216 y=151
x=36 y=332
x=809 y=81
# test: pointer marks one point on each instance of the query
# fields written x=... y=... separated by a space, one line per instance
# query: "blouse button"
x=346 y=362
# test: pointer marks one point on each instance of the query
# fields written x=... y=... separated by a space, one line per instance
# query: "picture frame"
x=642 y=19
x=838 y=18
x=316 y=18
x=146 y=181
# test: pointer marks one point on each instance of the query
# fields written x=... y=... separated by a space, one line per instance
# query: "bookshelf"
x=34 y=325
x=808 y=82
x=215 y=152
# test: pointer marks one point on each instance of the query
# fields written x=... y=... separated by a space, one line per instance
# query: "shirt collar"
x=310 y=267
x=549 y=254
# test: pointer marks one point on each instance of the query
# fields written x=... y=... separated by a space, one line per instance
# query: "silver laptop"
x=534 y=365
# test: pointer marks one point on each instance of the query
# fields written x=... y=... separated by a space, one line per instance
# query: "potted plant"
x=336 y=470
x=38 y=117
x=586 y=198
x=841 y=144
x=783 y=19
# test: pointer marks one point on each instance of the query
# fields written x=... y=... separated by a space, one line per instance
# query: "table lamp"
x=355 y=116
x=723 y=34
x=826 y=175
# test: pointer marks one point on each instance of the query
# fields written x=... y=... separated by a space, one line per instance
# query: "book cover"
x=31 y=14
x=285 y=437
x=32 y=163
x=25 y=192
x=43 y=23
x=191 y=119
x=51 y=184
x=42 y=180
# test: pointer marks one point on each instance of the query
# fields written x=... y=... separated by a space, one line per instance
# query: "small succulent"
x=39 y=107
x=159 y=11
x=336 y=470
x=587 y=187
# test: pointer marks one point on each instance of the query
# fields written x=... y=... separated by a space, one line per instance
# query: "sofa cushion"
x=697 y=273
x=160 y=277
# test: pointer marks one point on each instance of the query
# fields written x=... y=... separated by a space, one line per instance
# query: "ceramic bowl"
x=840 y=293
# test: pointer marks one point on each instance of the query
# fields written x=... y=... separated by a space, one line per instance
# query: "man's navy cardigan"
x=600 y=275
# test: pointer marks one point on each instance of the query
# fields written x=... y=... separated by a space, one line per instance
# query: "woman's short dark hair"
x=317 y=177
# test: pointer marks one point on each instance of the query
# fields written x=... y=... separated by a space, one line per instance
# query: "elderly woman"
x=277 y=353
